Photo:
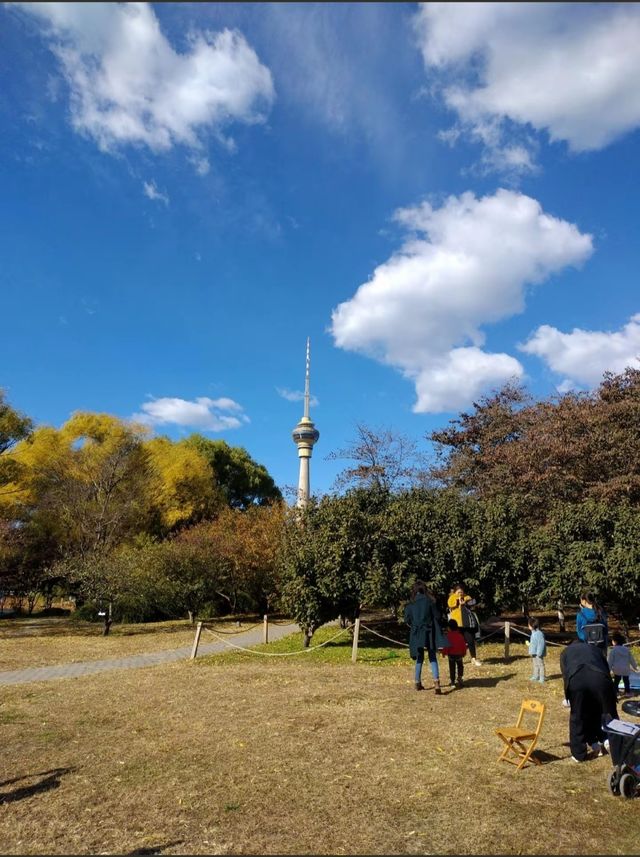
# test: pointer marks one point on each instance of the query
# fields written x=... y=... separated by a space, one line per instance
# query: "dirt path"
x=248 y=638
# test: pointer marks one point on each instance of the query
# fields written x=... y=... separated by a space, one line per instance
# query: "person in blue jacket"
x=537 y=650
x=423 y=618
x=590 y=613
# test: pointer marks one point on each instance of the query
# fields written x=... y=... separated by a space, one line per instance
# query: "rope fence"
x=382 y=636
x=277 y=654
x=506 y=629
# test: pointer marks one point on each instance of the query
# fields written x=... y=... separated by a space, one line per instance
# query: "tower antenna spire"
x=306 y=381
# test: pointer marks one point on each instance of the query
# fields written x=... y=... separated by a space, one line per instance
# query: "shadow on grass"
x=547 y=758
x=502 y=660
x=487 y=681
x=50 y=780
x=153 y=849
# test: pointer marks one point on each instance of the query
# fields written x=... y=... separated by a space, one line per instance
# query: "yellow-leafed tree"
x=183 y=487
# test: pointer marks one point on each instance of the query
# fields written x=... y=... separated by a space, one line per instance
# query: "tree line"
x=527 y=502
x=524 y=501
x=137 y=526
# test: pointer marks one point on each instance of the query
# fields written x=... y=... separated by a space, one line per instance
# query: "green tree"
x=328 y=554
x=242 y=481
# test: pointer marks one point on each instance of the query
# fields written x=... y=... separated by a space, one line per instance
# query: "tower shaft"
x=305 y=436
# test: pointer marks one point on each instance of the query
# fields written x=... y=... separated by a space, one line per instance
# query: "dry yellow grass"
x=295 y=756
x=45 y=642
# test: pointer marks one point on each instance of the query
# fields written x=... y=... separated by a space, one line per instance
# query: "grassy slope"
x=306 y=754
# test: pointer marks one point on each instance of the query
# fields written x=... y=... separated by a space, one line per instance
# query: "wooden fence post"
x=507 y=638
x=356 y=634
x=196 y=642
x=265 y=629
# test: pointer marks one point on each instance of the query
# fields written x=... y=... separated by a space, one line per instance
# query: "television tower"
x=305 y=435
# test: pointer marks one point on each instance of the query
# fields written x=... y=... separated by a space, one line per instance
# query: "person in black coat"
x=589 y=689
x=423 y=618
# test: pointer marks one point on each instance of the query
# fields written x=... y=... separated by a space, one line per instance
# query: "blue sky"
x=442 y=196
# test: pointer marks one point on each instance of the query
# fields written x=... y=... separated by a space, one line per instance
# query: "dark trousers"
x=625 y=681
x=591 y=695
x=456 y=662
x=470 y=637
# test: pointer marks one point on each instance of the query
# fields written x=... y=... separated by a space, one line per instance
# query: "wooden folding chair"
x=519 y=740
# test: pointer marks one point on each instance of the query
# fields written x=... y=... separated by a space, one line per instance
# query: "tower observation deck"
x=305 y=436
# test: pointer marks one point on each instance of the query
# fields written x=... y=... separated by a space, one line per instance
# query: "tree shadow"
x=50 y=780
x=153 y=849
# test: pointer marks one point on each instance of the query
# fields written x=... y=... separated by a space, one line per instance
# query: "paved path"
x=248 y=638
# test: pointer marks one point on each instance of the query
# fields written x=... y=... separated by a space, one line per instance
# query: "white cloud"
x=151 y=191
x=584 y=355
x=569 y=69
x=129 y=86
x=462 y=266
x=296 y=396
x=200 y=164
x=202 y=413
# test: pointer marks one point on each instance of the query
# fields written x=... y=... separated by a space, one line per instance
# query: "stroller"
x=624 y=747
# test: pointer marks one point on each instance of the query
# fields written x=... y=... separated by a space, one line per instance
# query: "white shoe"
x=573 y=759
x=566 y=703
x=606 y=744
x=476 y=662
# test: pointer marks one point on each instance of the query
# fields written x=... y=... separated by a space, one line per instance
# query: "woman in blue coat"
x=423 y=618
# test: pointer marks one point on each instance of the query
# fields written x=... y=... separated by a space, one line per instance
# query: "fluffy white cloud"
x=129 y=85
x=584 y=355
x=202 y=413
x=296 y=396
x=569 y=69
x=462 y=266
x=152 y=192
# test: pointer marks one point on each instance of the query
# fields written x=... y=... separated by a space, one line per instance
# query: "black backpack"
x=596 y=632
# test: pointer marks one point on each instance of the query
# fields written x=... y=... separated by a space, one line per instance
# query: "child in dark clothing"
x=456 y=650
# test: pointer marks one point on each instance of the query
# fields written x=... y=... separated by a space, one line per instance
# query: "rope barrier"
x=382 y=636
x=279 y=654
x=238 y=631
x=398 y=643
x=561 y=645
x=365 y=628
x=486 y=636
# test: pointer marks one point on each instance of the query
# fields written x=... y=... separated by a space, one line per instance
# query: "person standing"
x=460 y=604
x=537 y=650
x=455 y=650
x=423 y=619
x=591 y=626
x=589 y=690
x=621 y=662
x=591 y=622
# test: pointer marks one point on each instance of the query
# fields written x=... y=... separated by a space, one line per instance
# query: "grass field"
x=38 y=642
x=307 y=754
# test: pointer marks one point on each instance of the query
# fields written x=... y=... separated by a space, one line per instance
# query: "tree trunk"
x=107 y=621
x=192 y=616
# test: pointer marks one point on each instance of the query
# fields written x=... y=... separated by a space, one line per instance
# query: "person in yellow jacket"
x=459 y=604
